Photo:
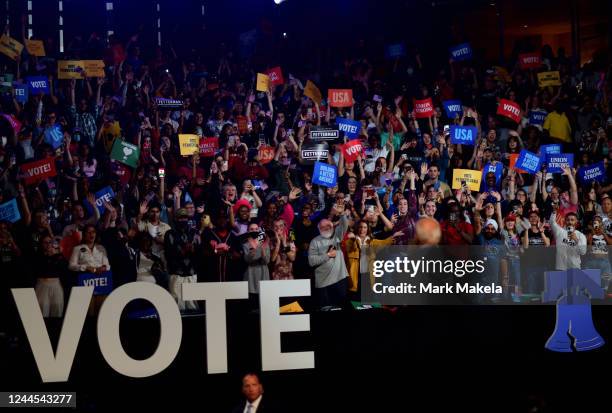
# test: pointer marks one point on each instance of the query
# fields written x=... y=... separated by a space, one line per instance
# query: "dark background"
x=325 y=29
x=415 y=359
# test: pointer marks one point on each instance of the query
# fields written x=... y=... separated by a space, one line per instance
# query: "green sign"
x=6 y=82
x=125 y=152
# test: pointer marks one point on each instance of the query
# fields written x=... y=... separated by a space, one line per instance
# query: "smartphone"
x=370 y=192
x=377 y=98
x=161 y=172
x=331 y=247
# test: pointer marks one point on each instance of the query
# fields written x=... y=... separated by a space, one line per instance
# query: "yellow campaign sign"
x=189 y=144
x=10 y=47
x=312 y=91
x=502 y=74
x=70 y=69
x=293 y=307
x=94 y=68
x=549 y=79
x=35 y=47
x=470 y=177
x=262 y=82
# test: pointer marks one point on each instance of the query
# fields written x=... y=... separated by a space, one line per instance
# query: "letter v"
x=53 y=367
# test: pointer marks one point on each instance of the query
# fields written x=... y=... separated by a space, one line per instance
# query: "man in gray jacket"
x=325 y=255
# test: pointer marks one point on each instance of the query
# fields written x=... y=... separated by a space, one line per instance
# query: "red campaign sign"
x=243 y=125
x=266 y=154
x=208 y=146
x=276 y=76
x=530 y=60
x=34 y=172
x=509 y=109
x=423 y=108
x=351 y=150
x=340 y=98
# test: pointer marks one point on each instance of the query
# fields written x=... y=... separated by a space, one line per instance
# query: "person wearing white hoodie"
x=570 y=243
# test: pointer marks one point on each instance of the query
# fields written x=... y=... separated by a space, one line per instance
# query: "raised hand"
x=144 y=207
x=424 y=168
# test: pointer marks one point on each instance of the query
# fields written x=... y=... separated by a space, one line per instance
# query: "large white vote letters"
x=55 y=367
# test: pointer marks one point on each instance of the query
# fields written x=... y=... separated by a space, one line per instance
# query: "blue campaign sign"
x=528 y=161
x=465 y=135
x=324 y=174
x=453 y=108
x=594 y=172
x=554 y=162
x=102 y=283
x=105 y=194
x=536 y=117
x=21 y=92
x=9 y=211
x=351 y=128
x=38 y=84
x=54 y=136
x=552 y=149
x=497 y=169
x=461 y=52
x=395 y=50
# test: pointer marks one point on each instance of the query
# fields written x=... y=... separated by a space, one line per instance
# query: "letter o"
x=171 y=329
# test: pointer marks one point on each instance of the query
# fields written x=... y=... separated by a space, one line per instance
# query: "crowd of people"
x=239 y=215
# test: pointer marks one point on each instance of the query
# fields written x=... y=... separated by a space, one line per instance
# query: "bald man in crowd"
x=325 y=255
x=428 y=232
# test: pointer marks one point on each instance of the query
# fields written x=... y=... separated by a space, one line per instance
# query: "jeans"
x=602 y=264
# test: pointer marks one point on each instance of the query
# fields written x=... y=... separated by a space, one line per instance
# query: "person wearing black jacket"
x=49 y=268
x=180 y=245
x=254 y=402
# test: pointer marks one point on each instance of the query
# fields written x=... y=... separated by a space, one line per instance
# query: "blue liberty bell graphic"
x=573 y=290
